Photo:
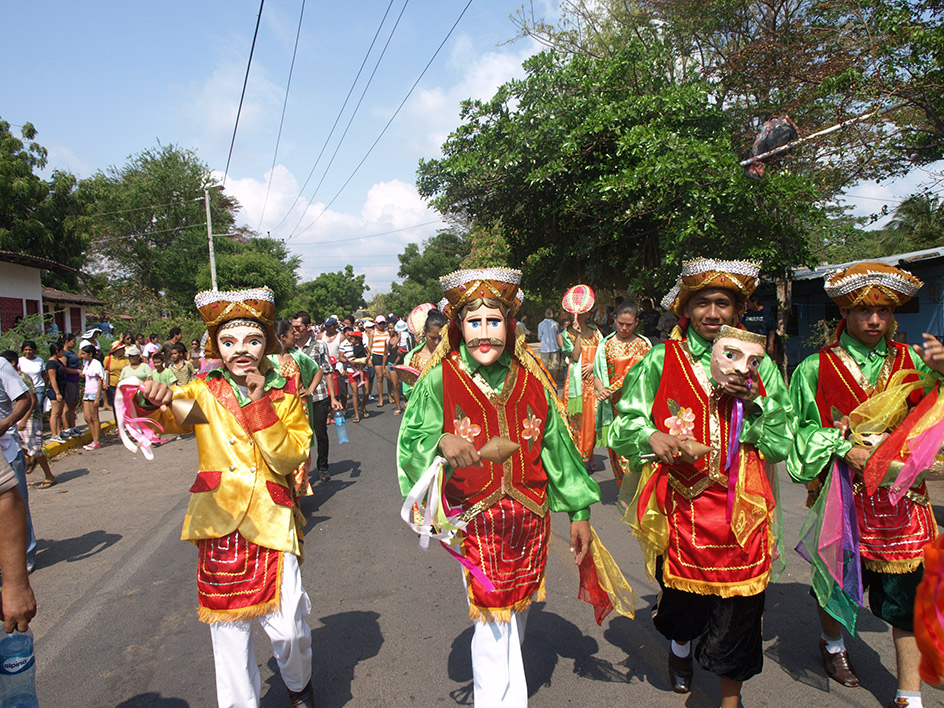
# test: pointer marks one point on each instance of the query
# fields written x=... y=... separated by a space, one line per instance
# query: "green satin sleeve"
x=569 y=487
x=770 y=425
x=406 y=387
x=630 y=432
x=567 y=344
x=420 y=429
x=307 y=366
x=815 y=444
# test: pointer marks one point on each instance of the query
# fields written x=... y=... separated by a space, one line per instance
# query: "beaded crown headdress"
x=871 y=284
x=703 y=273
x=254 y=304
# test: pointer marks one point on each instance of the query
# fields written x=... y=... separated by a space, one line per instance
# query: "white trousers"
x=237 y=674
x=497 y=667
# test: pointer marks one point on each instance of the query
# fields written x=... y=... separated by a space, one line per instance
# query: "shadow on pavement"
x=339 y=645
x=548 y=638
x=790 y=619
x=73 y=549
x=153 y=700
x=70 y=474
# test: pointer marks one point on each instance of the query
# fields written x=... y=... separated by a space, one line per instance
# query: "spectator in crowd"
x=53 y=329
x=173 y=337
x=324 y=395
x=14 y=405
x=160 y=372
x=92 y=336
x=17 y=604
x=183 y=370
x=432 y=335
x=30 y=429
x=548 y=333
x=648 y=319
x=195 y=354
x=136 y=366
x=378 y=350
x=667 y=322
x=140 y=340
x=114 y=364
x=56 y=392
x=94 y=374
x=760 y=320
x=352 y=375
x=153 y=344
x=73 y=375
x=391 y=358
x=34 y=367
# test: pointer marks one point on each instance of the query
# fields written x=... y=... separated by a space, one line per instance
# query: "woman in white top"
x=34 y=367
x=94 y=374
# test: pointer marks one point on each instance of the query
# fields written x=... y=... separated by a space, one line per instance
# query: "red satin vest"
x=892 y=537
x=703 y=555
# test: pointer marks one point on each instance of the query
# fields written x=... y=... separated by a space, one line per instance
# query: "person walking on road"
x=241 y=515
x=14 y=405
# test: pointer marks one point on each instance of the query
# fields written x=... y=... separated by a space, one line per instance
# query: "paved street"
x=117 y=619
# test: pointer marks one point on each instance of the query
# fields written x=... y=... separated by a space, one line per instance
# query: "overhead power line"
x=360 y=238
x=354 y=112
x=243 y=94
x=149 y=206
x=389 y=122
x=278 y=139
x=337 y=118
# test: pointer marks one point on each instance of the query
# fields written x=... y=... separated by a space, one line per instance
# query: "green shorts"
x=892 y=595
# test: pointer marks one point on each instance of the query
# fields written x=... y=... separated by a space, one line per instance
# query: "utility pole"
x=206 y=195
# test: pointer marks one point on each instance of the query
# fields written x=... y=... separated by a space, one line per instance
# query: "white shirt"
x=34 y=369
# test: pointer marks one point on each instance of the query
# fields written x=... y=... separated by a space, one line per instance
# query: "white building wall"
x=20 y=281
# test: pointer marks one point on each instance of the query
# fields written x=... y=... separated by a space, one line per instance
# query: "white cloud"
x=329 y=240
x=868 y=198
x=433 y=113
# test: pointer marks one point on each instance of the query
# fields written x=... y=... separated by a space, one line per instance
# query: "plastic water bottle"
x=17 y=671
x=340 y=426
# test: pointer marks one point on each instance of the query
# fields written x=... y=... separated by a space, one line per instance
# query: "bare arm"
x=17 y=603
x=21 y=407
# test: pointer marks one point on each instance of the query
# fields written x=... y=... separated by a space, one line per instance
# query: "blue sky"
x=104 y=80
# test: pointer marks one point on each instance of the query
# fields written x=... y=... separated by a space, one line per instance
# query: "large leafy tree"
x=339 y=293
x=604 y=170
x=421 y=267
x=150 y=220
x=39 y=217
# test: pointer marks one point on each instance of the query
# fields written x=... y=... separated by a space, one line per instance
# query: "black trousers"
x=728 y=630
x=320 y=410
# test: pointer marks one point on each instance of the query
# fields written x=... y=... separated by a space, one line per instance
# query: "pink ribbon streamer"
x=139 y=429
x=734 y=447
x=924 y=449
x=473 y=569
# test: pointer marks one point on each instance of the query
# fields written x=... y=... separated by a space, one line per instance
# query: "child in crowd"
x=94 y=374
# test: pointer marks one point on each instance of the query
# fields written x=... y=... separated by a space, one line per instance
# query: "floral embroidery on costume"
x=466 y=429
x=531 y=428
x=682 y=423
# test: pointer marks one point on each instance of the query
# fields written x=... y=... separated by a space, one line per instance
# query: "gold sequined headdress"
x=872 y=285
x=218 y=308
x=500 y=284
x=704 y=273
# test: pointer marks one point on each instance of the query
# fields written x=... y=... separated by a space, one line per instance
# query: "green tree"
x=253 y=262
x=918 y=222
x=421 y=267
x=150 y=220
x=339 y=293
x=39 y=217
x=603 y=171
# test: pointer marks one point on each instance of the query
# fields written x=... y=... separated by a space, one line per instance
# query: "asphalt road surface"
x=117 y=623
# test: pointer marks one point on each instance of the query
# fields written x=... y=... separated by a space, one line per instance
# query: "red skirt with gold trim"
x=892 y=537
x=237 y=579
x=509 y=544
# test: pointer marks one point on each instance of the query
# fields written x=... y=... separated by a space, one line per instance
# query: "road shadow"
x=339 y=645
x=321 y=492
x=153 y=700
x=791 y=622
x=548 y=639
x=67 y=476
x=609 y=491
x=49 y=552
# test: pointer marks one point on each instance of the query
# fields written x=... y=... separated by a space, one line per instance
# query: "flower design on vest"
x=682 y=423
x=531 y=428
x=466 y=429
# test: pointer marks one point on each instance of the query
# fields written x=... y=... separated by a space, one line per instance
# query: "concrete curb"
x=51 y=449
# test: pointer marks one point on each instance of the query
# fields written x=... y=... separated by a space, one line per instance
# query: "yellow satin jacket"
x=247 y=455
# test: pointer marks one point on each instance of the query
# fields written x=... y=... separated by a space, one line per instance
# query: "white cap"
x=85 y=343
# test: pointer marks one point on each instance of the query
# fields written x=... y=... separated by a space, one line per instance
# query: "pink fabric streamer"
x=734 y=447
x=924 y=448
x=473 y=569
x=133 y=429
x=830 y=535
